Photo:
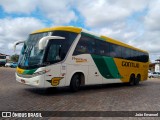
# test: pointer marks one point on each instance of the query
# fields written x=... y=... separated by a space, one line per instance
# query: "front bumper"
x=37 y=81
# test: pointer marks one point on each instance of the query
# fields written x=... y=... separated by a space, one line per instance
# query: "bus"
x=2 y=60
x=71 y=56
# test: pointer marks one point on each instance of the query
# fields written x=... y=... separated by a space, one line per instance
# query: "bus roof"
x=64 y=28
x=79 y=30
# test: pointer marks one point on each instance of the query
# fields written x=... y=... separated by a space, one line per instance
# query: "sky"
x=135 y=22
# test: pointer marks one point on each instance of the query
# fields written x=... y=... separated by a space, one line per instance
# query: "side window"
x=127 y=54
x=54 y=51
x=107 y=53
x=115 y=51
x=140 y=57
x=86 y=45
x=102 y=48
x=132 y=55
x=91 y=45
x=118 y=50
x=146 y=57
x=112 y=50
x=123 y=52
x=136 y=55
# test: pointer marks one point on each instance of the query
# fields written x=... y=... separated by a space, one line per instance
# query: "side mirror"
x=16 y=43
x=44 y=41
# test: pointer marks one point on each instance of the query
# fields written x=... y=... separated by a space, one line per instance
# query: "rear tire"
x=137 y=80
x=75 y=83
x=132 y=80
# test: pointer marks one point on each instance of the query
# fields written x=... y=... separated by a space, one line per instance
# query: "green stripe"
x=106 y=66
x=29 y=72
x=92 y=36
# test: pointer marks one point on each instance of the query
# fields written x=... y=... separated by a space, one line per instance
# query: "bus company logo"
x=130 y=64
x=56 y=80
x=79 y=60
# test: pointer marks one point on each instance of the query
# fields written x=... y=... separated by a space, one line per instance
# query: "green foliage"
x=15 y=58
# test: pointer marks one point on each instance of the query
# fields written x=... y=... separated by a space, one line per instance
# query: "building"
x=7 y=56
x=155 y=67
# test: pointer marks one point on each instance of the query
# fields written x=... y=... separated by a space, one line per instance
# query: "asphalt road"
x=111 y=97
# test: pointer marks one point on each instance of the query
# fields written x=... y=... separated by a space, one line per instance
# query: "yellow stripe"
x=63 y=28
x=20 y=71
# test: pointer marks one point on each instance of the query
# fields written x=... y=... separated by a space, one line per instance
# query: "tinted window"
x=57 y=49
x=143 y=57
x=102 y=48
x=69 y=36
x=118 y=50
x=135 y=55
x=86 y=45
x=127 y=53
x=89 y=45
x=123 y=53
x=55 y=53
x=146 y=57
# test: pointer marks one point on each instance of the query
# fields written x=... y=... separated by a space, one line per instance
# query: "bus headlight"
x=40 y=73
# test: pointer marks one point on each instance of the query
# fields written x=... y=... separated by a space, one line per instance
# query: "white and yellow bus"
x=71 y=56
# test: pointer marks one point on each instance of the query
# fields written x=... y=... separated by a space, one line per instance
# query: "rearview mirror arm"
x=16 y=43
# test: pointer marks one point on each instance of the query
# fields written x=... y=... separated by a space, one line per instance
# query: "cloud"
x=59 y=12
x=149 y=41
x=18 y=6
x=104 y=12
x=153 y=17
x=16 y=29
x=1 y=45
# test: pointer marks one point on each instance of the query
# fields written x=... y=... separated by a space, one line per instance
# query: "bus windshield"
x=56 y=50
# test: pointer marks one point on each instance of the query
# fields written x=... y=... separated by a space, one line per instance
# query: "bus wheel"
x=137 y=79
x=132 y=80
x=75 y=83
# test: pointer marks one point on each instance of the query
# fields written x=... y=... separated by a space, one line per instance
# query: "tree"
x=15 y=58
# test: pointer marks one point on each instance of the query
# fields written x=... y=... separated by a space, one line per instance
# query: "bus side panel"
x=85 y=64
x=77 y=63
x=107 y=68
x=145 y=68
x=127 y=67
x=54 y=77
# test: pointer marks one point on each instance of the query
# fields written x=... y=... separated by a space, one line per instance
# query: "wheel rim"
x=77 y=83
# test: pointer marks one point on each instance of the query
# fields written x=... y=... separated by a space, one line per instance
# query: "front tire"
x=75 y=83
